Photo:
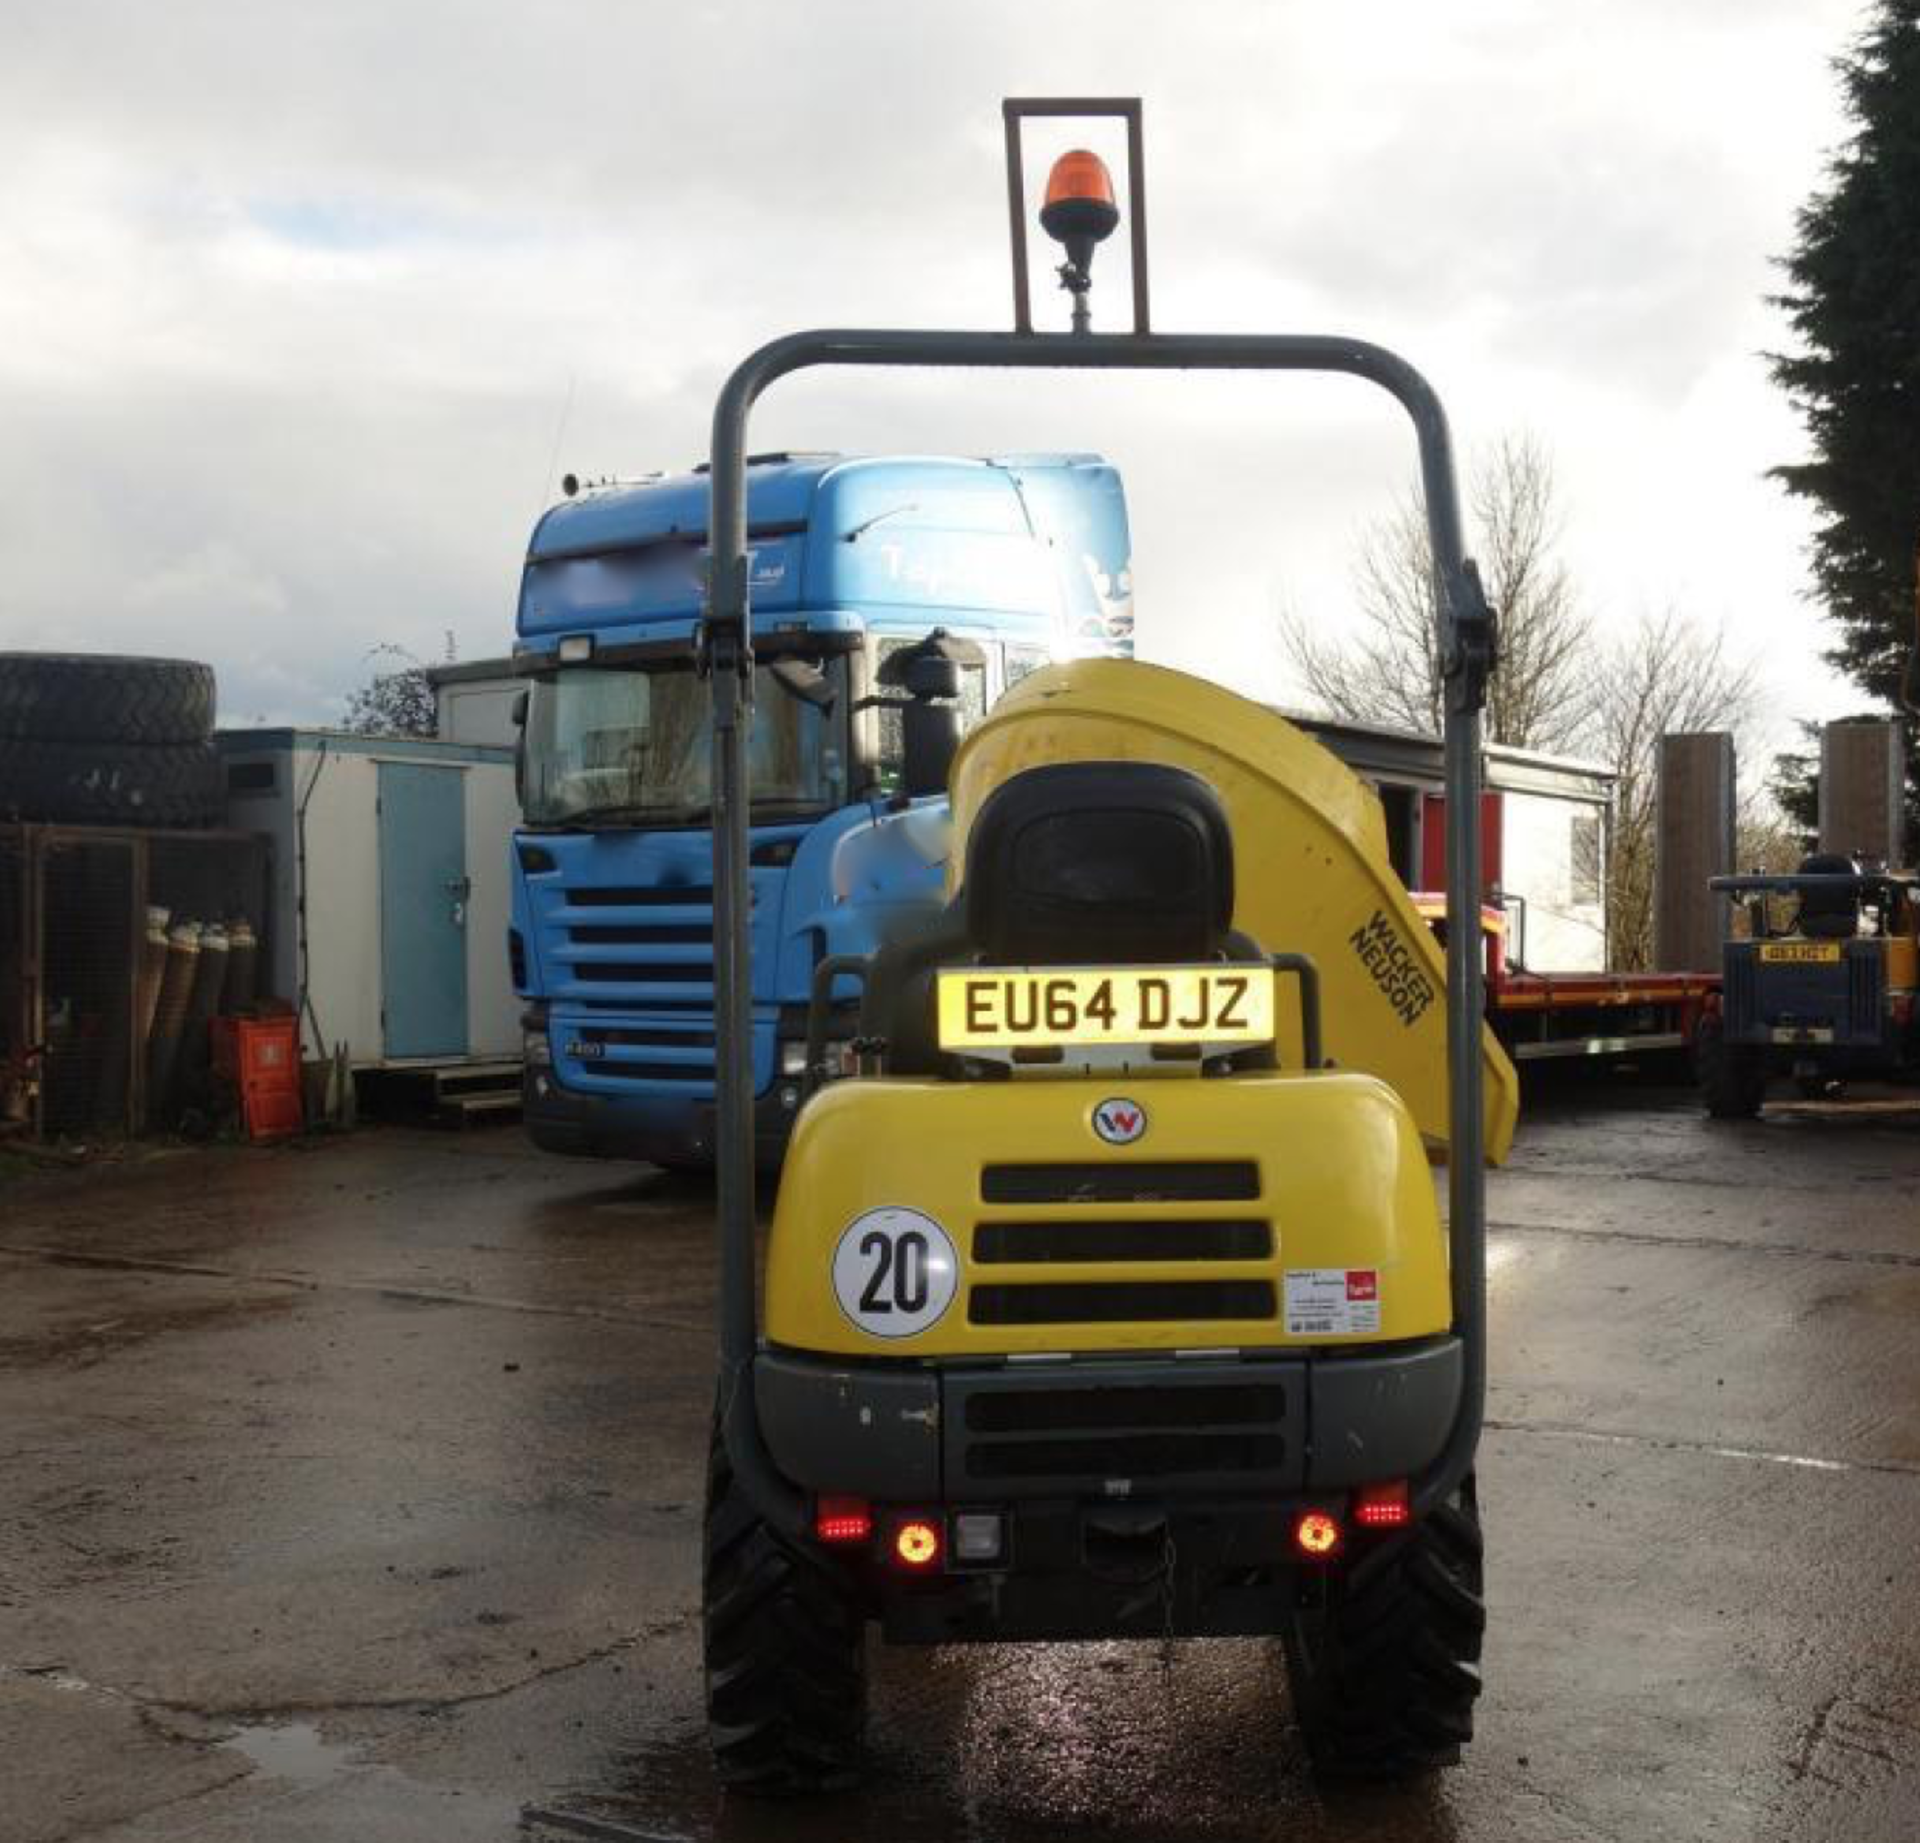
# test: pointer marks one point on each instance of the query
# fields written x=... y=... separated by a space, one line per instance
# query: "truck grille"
x=1088 y=1427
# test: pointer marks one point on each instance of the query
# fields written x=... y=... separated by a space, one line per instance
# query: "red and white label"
x=1333 y=1301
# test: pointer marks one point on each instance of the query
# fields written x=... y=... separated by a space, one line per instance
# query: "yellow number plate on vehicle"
x=1818 y=953
x=1112 y=1005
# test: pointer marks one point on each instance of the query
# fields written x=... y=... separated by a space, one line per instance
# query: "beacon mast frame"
x=1466 y=641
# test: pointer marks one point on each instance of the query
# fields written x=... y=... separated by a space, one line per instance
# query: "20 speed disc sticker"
x=1333 y=1301
x=895 y=1272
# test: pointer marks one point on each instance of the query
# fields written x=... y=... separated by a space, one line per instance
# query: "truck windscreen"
x=631 y=747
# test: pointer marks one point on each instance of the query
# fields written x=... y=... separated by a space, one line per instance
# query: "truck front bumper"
x=1107 y=1427
x=663 y=1129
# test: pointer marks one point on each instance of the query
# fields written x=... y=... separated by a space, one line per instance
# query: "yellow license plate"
x=1016 y=1009
x=1802 y=953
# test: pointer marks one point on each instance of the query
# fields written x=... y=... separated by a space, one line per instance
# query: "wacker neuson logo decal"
x=1402 y=980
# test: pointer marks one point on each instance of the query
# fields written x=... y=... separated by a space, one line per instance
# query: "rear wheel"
x=1384 y=1651
x=1733 y=1078
x=785 y=1653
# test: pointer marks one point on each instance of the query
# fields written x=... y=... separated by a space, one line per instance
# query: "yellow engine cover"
x=1295 y=1210
x=1311 y=868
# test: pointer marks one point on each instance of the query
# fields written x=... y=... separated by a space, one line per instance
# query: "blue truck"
x=865 y=573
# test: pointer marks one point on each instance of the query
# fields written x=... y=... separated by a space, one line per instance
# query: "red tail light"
x=1316 y=1534
x=1385 y=1506
x=842 y=1520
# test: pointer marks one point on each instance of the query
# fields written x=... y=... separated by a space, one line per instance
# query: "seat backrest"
x=1832 y=915
x=1099 y=863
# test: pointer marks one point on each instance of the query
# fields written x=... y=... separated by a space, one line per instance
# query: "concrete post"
x=1693 y=840
x=1862 y=766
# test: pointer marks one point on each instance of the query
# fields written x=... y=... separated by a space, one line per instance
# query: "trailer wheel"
x=104 y=697
x=785 y=1653
x=1383 y=1653
x=1733 y=1079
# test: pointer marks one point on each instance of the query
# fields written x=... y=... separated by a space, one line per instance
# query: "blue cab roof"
x=1025 y=542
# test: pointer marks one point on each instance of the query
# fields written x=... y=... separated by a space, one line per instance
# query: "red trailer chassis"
x=1538 y=1016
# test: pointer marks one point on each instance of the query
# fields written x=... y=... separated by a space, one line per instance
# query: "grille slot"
x=1092 y=1239
x=680 y=896
x=683 y=934
x=1120 y=1302
x=1128 y=1181
x=626 y=1036
x=623 y=972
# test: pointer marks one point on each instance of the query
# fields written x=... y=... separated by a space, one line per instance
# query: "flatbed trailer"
x=1540 y=1016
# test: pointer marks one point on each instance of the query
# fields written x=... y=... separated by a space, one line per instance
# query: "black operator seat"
x=1829 y=914
x=1070 y=864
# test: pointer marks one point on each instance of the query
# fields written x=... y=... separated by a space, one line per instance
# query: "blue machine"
x=1011 y=562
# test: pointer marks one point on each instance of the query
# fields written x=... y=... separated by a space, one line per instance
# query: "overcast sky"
x=304 y=309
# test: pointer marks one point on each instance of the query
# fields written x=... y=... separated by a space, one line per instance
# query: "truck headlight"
x=537 y=1047
x=793 y=1056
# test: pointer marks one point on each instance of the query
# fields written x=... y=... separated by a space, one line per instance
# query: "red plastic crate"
x=261 y=1057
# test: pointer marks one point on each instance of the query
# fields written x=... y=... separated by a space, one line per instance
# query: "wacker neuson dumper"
x=1098 y=1302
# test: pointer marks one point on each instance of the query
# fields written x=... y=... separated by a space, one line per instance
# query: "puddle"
x=295 y=1753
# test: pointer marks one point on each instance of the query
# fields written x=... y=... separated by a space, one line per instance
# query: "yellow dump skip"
x=1310 y=859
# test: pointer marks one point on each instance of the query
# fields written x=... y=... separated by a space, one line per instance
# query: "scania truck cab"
x=894 y=600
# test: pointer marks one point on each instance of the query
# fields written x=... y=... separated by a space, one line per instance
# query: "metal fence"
x=116 y=948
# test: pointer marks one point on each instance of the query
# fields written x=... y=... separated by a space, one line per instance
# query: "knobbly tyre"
x=1105 y=1328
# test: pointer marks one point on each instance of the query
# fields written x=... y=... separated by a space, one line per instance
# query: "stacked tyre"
x=100 y=739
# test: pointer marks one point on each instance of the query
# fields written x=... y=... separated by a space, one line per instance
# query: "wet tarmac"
x=352 y=1492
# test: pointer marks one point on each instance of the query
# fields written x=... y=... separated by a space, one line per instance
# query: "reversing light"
x=1316 y=1534
x=842 y=1519
x=979 y=1536
x=574 y=649
x=1387 y=1506
x=916 y=1543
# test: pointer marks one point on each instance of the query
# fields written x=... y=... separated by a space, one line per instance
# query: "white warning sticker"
x=1333 y=1301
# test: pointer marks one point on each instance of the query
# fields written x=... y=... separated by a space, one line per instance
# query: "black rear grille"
x=1097 y=1410
x=1120 y=1302
x=1143 y=1240
x=1169 y=1455
x=1123 y=1181
x=1075 y=1428
x=1738 y=998
x=1864 y=993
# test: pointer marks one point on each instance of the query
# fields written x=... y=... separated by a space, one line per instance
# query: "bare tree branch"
x=1390 y=673
x=1662 y=676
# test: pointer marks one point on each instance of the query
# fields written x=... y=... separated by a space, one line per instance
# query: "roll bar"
x=726 y=656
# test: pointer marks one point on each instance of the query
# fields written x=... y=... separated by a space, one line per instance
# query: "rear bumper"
x=1107 y=1427
x=1195 y=1543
